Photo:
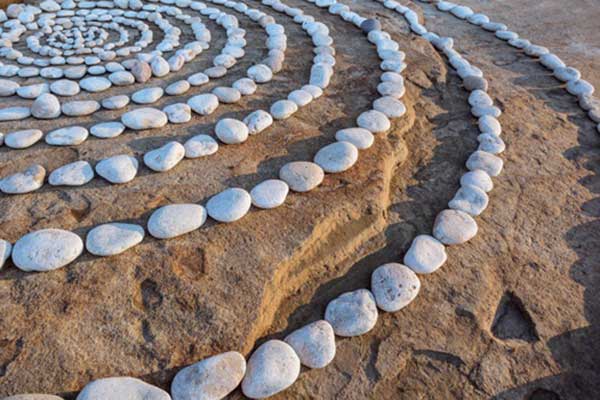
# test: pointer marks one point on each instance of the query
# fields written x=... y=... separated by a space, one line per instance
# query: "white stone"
x=300 y=97
x=198 y=79
x=245 y=86
x=359 y=137
x=490 y=143
x=178 y=113
x=65 y=87
x=454 y=227
x=469 y=199
x=24 y=182
x=69 y=136
x=177 y=88
x=200 y=146
x=269 y=194
x=301 y=176
x=95 y=84
x=478 y=178
x=425 y=255
x=14 y=113
x=231 y=131
x=74 y=174
x=260 y=73
x=272 y=368
x=113 y=238
x=373 y=121
x=80 y=108
x=229 y=205
x=121 y=78
x=122 y=388
x=227 y=95
x=578 y=88
x=480 y=98
x=551 y=61
x=8 y=88
x=283 y=109
x=23 y=139
x=314 y=344
x=210 y=379
x=487 y=162
x=5 y=250
x=352 y=313
x=204 y=104
x=144 y=118
x=46 y=106
x=489 y=124
x=176 y=219
x=567 y=74
x=147 y=95
x=394 y=286
x=115 y=102
x=389 y=106
x=118 y=169
x=46 y=250
x=109 y=129
x=257 y=121
x=337 y=157
x=160 y=66
x=164 y=158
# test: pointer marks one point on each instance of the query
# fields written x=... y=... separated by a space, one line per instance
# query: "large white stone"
x=109 y=129
x=23 y=139
x=176 y=219
x=204 y=104
x=374 y=121
x=69 y=136
x=478 y=178
x=454 y=227
x=80 y=108
x=301 y=176
x=260 y=73
x=8 y=87
x=487 y=162
x=272 y=368
x=352 y=313
x=46 y=106
x=118 y=169
x=200 y=146
x=337 y=157
x=231 y=131
x=115 y=102
x=14 y=113
x=95 y=84
x=394 y=286
x=469 y=199
x=164 y=158
x=210 y=379
x=144 y=118
x=74 y=174
x=65 y=87
x=24 y=182
x=359 y=137
x=257 y=121
x=314 y=344
x=46 y=250
x=425 y=255
x=121 y=388
x=229 y=205
x=113 y=238
x=283 y=109
x=269 y=194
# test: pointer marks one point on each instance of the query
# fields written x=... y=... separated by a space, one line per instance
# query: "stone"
x=69 y=136
x=578 y=88
x=106 y=130
x=32 y=397
x=300 y=97
x=314 y=344
x=65 y=87
x=8 y=87
x=5 y=250
x=490 y=143
x=454 y=227
x=124 y=388
x=314 y=91
x=480 y=98
x=392 y=89
x=46 y=250
x=144 y=118
x=273 y=367
x=23 y=139
x=390 y=106
x=283 y=109
x=33 y=91
x=373 y=121
x=24 y=182
x=141 y=71
x=118 y=169
x=80 y=108
x=115 y=102
x=74 y=174
x=352 y=313
x=198 y=79
x=14 y=113
x=176 y=219
x=370 y=24
x=535 y=50
x=160 y=67
x=245 y=86
x=200 y=146
x=394 y=286
x=210 y=379
x=551 y=61
x=113 y=238
x=567 y=74
x=164 y=158
x=473 y=82
x=231 y=131
x=487 y=162
x=301 y=176
x=425 y=255
x=489 y=124
x=46 y=106
x=469 y=199
x=178 y=113
x=227 y=95
x=147 y=95
x=359 y=137
x=257 y=121
x=95 y=84
x=492 y=111
x=269 y=194
x=177 y=88
x=478 y=178
x=121 y=78
x=260 y=73
x=229 y=205
x=204 y=104
x=337 y=157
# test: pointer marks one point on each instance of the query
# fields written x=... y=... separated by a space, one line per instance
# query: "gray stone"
x=141 y=71
x=260 y=73
x=314 y=344
x=160 y=67
x=245 y=86
x=489 y=124
x=74 y=174
x=198 y=79
x=490 y=143
x=121 y=78
x=301 y=176
x=394 y=286
x=352 y=313
x=425 y=255
x=113 y=238
x=370 y=24
x=580 y=88
x=229 y=205
x=118 y=169
x=122 y=388
x=454 y=227
x=24 y=182
x=300 y=97
x=567 y=74
x=33 y=91
x=269 y=194
x=176 y=219
x=473 y=82
x=46 y=250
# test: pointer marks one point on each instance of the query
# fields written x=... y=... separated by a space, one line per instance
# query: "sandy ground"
x=514 y=314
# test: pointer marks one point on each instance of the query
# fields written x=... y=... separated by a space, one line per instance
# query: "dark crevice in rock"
x=441 y=356
x=512 y=321
x=371 y=368
x=543 y=394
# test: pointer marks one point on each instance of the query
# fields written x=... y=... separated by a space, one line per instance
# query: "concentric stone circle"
x=275 y=364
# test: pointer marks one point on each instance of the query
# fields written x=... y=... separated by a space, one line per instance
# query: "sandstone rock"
x=425 y=255
x=314 y=344
x=210 y=379
x=352 y=313
x=46 y=250
x=454 y=227
x=121 y=388
x=269 y=194
x=74 y=174
x=113 y=238
x=272 y=368
x=229 y=205
x=394 y=286
x=175 y=220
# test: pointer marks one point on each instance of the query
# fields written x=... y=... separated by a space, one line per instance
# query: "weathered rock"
x=113 y=238
x=352 y=313
x=314 y=344
x=121 y=388
x=229 y=205
x=46 y=250
x=425 y=255
x=74 y=174
x=210 y=379
x=175 y=220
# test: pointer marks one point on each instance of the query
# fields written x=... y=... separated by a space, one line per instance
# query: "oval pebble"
x=373 y=121
x=487 y=162
x=176 y=219
x=352 y=313
x=359 y=137
x=337 y=157
x=283 y=109
x=118 y=169
x=144 y=118
x=74 y=174
x=24 y=182
x=314 y=344
x=113 y=238
x=231 y=131
x=107 y=129
x=394 y=286
x=204 y=104
x=46 y=250
x=301 y=176
x=69 y=136
x=46 y=106
x=269 y=194
x=478 y=178
x=178 y=113
x=229 y=205
x=454 y=227
x=121 y=388
x=469 y=199
x=200 y=146
x=164 y=158
x=23 y=139
x=257 y=121
x=425 y=255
